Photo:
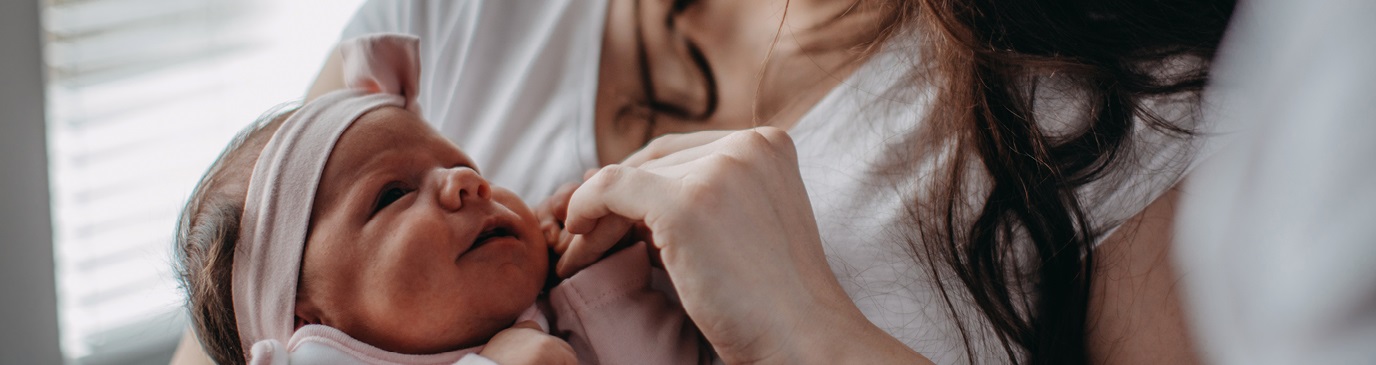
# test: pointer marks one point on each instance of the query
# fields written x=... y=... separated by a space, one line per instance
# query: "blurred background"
x=131 y=100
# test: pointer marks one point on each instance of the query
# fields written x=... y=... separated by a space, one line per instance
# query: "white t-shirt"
x=516 y=90
x=1278 y=235
x=513 y=83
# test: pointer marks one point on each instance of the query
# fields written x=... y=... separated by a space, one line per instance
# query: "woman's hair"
x=207 y=233
x=986 y=59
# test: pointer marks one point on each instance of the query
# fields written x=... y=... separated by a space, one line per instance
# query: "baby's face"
x=410 y=249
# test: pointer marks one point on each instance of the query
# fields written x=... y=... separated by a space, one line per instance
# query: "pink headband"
x=379 y=70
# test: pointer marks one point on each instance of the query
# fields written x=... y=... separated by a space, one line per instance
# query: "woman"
x=949 y=187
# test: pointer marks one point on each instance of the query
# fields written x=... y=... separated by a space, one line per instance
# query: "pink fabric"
x=384 y=64
x=272 y=234
x=610 y=315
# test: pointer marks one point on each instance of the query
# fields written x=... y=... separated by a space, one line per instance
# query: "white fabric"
x=322 y=351
x=1277 y=236
x=843 y=145
x=512 y=82
x=498 y=57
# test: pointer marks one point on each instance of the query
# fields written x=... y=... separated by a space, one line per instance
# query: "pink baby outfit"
x=608 y=312
x=611 y=315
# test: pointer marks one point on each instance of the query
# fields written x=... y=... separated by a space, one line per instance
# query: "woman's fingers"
x=670 y=144
x=614 y=198
x=607 y=206
x=585 y=249
x=678 y=158
x=733 y=218
x=635 y=190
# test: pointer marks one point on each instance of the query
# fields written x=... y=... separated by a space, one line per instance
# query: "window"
x=143 y=95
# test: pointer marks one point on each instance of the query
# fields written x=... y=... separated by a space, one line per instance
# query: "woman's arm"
x=1135 y=314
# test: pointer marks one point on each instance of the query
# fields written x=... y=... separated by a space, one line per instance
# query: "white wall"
x=28 y=303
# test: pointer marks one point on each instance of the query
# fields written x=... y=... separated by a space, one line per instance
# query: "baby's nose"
x=462 y=184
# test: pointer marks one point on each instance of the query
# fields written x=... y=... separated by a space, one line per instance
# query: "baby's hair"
x=207 y=233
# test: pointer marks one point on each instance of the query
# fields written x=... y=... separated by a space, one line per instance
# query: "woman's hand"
x=525 y=343
x=732 y=219
x=554 y=211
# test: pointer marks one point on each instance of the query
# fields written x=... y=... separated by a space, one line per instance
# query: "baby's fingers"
x=591 y=246
x=553 y=211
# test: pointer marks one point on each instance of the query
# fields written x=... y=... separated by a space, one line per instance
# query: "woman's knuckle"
x=700 y=192
x=780 y=139
x=606 y=177
x=771 y=133
x=724 y=164
x=660 y=146
x=754 y=139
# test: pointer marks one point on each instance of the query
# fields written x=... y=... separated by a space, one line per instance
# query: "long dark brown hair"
x=985 y=60
x=988 y=57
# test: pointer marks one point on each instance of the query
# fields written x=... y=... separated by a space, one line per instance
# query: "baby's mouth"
x=492 y=233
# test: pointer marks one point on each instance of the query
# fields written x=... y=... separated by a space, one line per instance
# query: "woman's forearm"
x=838 y=340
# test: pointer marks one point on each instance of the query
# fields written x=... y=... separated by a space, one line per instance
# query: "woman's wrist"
x=845 y=336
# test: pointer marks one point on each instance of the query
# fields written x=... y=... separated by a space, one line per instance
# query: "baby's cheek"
x=513 y=202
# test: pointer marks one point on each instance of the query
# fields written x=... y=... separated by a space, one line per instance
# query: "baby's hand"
x=552 y=213
x=525 y=343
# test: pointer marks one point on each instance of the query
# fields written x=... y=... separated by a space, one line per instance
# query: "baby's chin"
x=508 y=288
x=472 y=321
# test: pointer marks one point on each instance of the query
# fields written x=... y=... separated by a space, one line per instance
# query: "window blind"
x=142 y=96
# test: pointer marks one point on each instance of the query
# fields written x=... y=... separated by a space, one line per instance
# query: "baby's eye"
x=389 y=194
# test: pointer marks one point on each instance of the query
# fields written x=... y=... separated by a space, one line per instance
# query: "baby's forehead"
x=387 y=119
x=390 y=128
x=395 y=132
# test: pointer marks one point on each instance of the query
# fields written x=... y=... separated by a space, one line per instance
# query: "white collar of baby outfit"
x=379 y=70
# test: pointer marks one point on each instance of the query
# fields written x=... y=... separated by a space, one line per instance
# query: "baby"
x=349 y=231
